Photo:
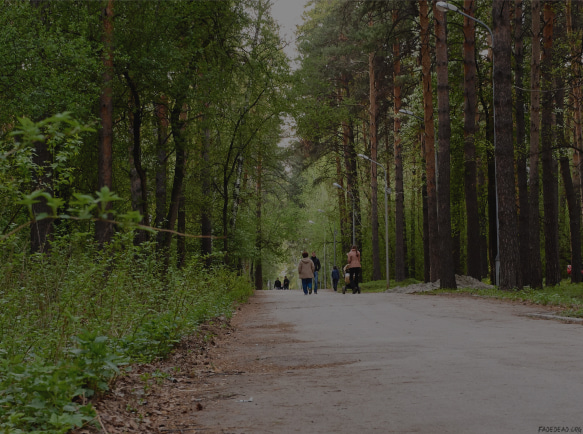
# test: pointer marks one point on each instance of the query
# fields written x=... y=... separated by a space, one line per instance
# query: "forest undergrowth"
x=73 y=319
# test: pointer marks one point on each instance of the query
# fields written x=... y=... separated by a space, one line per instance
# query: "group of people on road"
x=277 y=284
x=308 y=268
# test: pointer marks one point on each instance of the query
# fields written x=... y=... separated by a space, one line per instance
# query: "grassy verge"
x=567 y=297
x=72 y=319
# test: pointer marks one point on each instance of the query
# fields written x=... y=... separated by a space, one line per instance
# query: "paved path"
x=397 y=363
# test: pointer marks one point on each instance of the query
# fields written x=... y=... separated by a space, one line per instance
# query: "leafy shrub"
x=71 y=318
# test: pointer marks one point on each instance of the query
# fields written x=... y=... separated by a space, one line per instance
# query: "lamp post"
x=386 y=212
x=353 y=220
x=446 y=7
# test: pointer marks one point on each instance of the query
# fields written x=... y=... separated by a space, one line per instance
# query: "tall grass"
x=70 y=318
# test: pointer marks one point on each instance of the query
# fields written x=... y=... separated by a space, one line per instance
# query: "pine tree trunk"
x=550 y=181
x=535 y=268
x=470 y=166
x=446 y=269
x=575 y=97
x=522 y=155
x=509 y=251
x=430 y=150
x=104 y=230
x=376 y=264
x=573 y=199
x=398 y=152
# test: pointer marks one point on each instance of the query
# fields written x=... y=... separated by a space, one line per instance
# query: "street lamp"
x=386 y=212
x=353 y=220
x=446 y=7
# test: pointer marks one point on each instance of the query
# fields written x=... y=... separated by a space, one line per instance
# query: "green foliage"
x=381 y=285
x=72 y=318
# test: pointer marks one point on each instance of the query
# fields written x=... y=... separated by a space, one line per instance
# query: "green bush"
x=71 y=318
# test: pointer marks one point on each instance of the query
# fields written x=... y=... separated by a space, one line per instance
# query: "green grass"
x=71 y=319
x=566 y=296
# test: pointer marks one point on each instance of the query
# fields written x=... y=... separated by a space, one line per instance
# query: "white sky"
x=288 y=13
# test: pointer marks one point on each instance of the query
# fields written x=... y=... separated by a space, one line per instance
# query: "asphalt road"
x=398 y=363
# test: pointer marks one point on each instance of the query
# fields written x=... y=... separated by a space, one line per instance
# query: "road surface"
x=395 y=363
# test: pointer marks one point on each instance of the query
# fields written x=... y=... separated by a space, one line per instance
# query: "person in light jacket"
x=354 y=269
x=306 y=272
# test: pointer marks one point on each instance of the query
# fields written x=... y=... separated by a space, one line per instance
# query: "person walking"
x=285 y=283
x=317 y=266
x=335 y=278
x=355 y=269
x=306 y=272
x=277 y=284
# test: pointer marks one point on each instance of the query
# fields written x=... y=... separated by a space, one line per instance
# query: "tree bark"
x=178 y=122
x=376 y=263
x=573 y=199
x=522 y=155
x=104 y=230
x=206 y=214
x=535 y=268
x=550 y=181
x=161 y=111
x=430 y=156
x=470 y=165
x=398 y=155
x=138 y=179
x=181 y=228
x=259 y=233
x=509 y=251
x=446 y=269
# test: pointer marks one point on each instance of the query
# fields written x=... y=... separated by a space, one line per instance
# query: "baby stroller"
x=347 y=282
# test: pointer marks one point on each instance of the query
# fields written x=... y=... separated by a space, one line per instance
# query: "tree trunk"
x=398 y=150
x=138 y=180
x=206 y=213
x=470 y=166
x=522 y=155
x=178 y=122
x=535 y=269
x=509 y=251
x=376 y=263
x=258 y=233
x=446 y=269
x=573 y=199
x=550 y=181
x=575 y=97
x=429 y=142
x=180 y=239
x=104 y=230
x=342 y=206
x=161 y=111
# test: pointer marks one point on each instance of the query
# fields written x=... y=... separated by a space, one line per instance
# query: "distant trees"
x=497 y=172
x=181 y=99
